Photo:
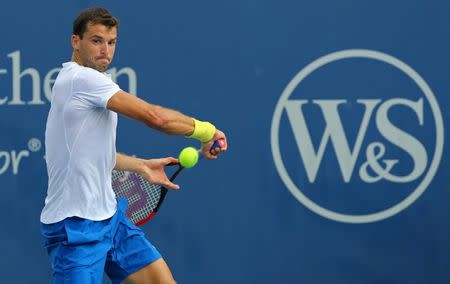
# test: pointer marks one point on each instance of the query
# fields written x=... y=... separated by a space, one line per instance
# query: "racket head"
x=144 y=198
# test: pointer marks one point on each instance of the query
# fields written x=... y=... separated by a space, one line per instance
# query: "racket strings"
x=142 y=196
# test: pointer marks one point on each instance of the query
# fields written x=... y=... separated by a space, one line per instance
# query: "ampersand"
x=374 y=152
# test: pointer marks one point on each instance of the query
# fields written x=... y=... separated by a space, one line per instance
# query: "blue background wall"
x=235 y=220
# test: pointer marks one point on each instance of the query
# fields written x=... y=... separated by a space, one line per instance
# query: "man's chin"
x=101 y=67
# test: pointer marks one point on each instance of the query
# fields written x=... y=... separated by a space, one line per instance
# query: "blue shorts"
x=81 y=250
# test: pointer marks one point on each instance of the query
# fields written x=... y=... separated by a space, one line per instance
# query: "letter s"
x=404 y=140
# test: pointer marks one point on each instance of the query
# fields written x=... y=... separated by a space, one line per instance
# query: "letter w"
x=346 y=157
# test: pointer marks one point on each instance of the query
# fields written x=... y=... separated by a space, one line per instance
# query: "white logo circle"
x=34 y=144
x=310 y=68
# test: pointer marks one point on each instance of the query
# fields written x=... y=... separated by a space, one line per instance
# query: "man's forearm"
x=170 y=121
x=128 y=163
x=163 y=119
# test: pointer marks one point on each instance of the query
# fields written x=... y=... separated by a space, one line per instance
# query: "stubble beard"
x=91 y=63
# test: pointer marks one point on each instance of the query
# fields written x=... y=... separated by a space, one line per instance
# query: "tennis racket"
x=144 y=198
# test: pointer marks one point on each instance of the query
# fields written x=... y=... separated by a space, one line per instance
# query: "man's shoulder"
x=89 y=76
x=83 y=71
x=86 y=79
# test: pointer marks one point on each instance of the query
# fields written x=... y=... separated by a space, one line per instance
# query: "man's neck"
x=76 y=58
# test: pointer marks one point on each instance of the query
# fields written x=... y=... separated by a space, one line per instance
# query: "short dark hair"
x=93 y=16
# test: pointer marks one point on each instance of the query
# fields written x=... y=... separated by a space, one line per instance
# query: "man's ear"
x=75 y=40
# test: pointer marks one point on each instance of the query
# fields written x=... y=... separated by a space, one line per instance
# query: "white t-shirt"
x=80 y=149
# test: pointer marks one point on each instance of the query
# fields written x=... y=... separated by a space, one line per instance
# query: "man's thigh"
x=155 y=272
x=131 y=250
x=77 y=249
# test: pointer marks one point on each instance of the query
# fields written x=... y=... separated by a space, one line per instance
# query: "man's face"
x=96 y=49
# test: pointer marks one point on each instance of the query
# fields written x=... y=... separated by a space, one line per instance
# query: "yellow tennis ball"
x=188 y=157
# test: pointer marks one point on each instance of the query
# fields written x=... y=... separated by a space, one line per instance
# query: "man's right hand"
x=213 y=153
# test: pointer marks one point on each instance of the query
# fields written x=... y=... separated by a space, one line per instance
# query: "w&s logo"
x=357 y=136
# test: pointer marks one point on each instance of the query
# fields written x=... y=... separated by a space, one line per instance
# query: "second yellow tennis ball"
x=188 y=157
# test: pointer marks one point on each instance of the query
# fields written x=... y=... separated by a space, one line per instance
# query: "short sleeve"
x=93 y=87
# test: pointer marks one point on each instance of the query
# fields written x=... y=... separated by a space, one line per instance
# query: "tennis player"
x=85 y=229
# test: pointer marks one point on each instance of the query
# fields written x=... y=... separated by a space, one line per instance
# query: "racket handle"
x=219 y=143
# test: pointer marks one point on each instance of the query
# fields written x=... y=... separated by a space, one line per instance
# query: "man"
x=85 y=229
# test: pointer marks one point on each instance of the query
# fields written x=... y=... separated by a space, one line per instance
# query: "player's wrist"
x=203 y=131
x=139 y=167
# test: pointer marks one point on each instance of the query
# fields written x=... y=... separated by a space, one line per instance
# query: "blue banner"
x=336 y=114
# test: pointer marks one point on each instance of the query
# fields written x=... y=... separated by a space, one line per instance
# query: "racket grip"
x=219 y=143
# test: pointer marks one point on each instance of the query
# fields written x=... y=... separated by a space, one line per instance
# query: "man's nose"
x=104 y=49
